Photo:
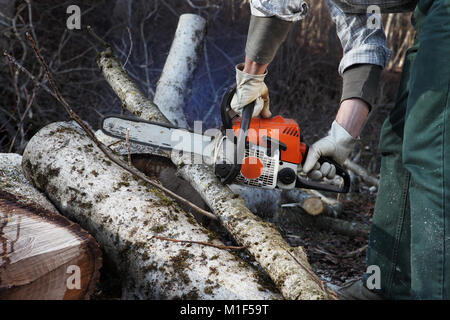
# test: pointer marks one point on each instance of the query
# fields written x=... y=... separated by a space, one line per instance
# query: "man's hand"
x=337 y=145
x=340 y=140
x=251 y=87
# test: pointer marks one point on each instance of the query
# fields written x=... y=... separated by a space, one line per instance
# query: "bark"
x=288 y=267
x=41 y=252
x=170 y=95
x=131 y=96
x=126 y=216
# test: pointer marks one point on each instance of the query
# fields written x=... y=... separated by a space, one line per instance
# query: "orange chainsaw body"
x=285 y=131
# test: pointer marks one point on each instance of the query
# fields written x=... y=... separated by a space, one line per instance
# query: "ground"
x=336 y=258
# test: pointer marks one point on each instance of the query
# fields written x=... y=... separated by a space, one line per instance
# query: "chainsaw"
x=257 y=152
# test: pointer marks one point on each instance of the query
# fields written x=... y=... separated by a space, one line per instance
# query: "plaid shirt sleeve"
x=361 y=44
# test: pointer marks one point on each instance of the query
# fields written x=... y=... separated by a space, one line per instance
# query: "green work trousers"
x=410 y=232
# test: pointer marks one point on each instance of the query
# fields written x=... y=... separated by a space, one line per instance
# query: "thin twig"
x=355 y=252
x=96 y=37
x=202 y=243
x=38 y=84
x=131 y=47
x=108 y=153
x=22 y=118
x=114 y=143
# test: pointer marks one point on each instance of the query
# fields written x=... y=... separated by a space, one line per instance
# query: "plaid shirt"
x=362 y=42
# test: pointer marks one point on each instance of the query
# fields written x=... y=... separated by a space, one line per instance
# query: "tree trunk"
x=288 y=267
x=175 y=80
x=131 y=219
x=43 y=255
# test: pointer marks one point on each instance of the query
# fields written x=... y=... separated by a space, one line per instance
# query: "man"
x=410 y=236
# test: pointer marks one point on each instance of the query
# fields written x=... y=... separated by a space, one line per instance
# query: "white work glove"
x=249 y=88
x=337 y=145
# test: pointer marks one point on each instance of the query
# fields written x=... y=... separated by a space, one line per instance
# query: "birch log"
x=170 y=95
x=126 y=216
x=287 y=266
x=43 y=255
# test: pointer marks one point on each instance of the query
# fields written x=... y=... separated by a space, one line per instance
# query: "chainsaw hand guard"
x=228 y=172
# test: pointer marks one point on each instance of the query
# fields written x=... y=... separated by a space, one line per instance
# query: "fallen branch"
x=349 y=228
x=356 y=252
x=360 y=171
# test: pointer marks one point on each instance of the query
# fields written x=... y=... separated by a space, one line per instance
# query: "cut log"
x=170 y=95
x=310 y=204
x=129 y=219
x=288 y=267
x=313 y=206
x=43 y=255
x=311 y=201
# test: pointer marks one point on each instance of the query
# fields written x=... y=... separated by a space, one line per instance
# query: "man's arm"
x=253 y=67
x=365 y=54
x=269 y=25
